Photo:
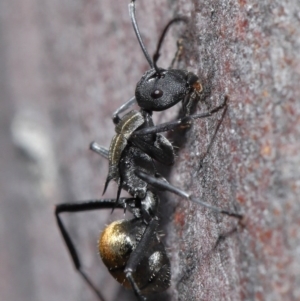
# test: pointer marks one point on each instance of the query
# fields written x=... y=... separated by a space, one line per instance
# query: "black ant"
x=158 y=90
x=131 y=249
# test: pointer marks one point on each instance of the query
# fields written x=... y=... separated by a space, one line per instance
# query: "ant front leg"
x=184 y=122
x=100 y=150
x=123 y=108
x=178 y=53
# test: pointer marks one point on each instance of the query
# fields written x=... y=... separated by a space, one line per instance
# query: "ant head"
x=160 y=91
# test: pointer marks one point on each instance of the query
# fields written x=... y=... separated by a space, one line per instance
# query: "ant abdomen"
x=116 y=244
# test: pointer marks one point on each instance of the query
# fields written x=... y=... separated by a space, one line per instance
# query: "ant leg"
x=100 y=150
x=182 y=122
x=79 y=207
x=162 y=150
x=177 y=54
x=223 y=236
x=138 y=253
x=164 y=185
x=212 y=139
x=122 y=108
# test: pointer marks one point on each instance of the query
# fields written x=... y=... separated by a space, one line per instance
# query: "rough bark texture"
x=67 y=65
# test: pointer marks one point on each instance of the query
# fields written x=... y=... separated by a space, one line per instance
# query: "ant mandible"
x=131 y=249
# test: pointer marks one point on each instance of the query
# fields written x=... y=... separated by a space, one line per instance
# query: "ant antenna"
x=157 y=54
x=131 y=8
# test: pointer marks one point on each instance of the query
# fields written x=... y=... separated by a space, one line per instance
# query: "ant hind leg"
x=80 y=207
x=164 y=185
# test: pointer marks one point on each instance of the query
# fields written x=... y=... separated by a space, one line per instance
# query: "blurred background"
x=65 y=67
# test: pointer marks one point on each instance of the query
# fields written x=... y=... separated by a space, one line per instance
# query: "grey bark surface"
x=67 y=65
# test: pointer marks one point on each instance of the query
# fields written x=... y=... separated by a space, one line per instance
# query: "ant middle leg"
x=162 y=150
x=137 y=255
x=148 y=267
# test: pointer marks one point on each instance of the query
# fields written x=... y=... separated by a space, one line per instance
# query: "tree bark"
x=67 y=65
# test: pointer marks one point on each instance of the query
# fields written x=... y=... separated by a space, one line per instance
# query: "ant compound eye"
x=157 y=93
